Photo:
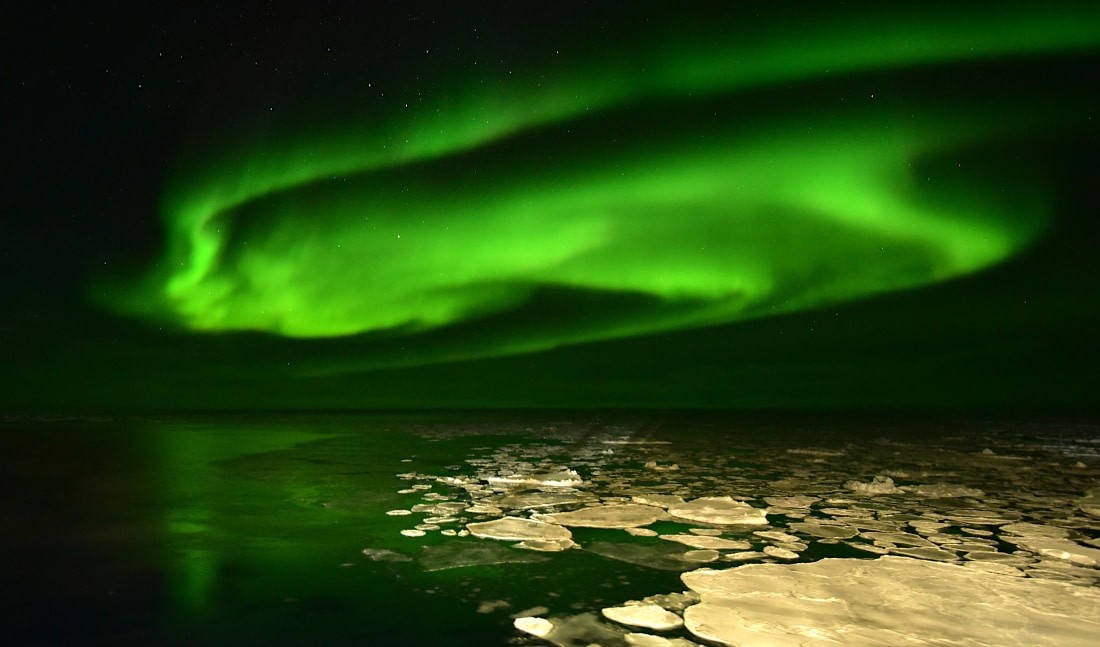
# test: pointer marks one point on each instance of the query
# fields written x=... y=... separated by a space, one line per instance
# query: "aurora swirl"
x=704 y=180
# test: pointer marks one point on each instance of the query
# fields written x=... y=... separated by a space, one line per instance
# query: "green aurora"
x=686 y=178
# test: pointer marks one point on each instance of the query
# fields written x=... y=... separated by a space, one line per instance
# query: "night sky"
x=405 y=205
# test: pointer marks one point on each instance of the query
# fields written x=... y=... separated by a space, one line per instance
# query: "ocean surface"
x=385 y=529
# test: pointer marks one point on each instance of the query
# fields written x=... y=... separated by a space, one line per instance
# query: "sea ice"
x=1090 y=504
x=564 y=478
x=796 y=501
x=744 y=556
x=825 y=530
x=716 y=543
x=659 y=500
x=719 y=510
x=547 y=545
x=646 y=640
x=537 y=627
x=775 y=535
x=887 y=601
x=943 y=490
x=531 y=500
x=701 y=556
x=934 y=554
x=628 y=515
x=879 y=485
x=648 y=616
x=517 y=529
x=781 y=553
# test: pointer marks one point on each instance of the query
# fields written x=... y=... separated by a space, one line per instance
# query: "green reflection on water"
x=200 y=495
x=264 y=527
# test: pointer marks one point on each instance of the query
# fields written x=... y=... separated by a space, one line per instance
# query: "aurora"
x=689 y=178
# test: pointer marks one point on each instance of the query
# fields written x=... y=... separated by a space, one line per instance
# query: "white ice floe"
x=538 y=627
x=781 y=553
x=720 y=510
x=701 y=556
x=887 y=601
x=1052 y=542
x=647 y=640
x=898 y=539
x=824 y=530
x=942 y=490
x=702 y=541
x=647 y=616
x=564 y=478
x=878 y=485
x=796 y=501
x=517 y=529
x=659 y=500
x=775 y=535
x=629 y=515
x=934 y=554
x=744 y=556
x=533 y=500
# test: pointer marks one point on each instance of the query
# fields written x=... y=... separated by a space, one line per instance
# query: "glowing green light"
x=427 y=217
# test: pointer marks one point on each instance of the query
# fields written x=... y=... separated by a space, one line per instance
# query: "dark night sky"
x=113 y=109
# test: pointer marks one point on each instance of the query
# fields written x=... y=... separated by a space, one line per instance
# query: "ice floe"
x=647 y=616
x=648 y=640
x=564 y=478
x=537 y=627
x=1013 y=517
x=518 y=529
x=887 y=601
x=700 y=556
x=719 y=510
x=878 y=485
x=781 y=553
x=629 y=515
x=703 y=541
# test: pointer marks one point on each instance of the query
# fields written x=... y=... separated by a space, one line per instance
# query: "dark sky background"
x=106 y=104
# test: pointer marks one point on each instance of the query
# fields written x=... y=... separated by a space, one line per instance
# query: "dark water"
x=252 y=529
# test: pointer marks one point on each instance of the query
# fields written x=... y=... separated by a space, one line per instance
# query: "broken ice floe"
x=537 y=627
x=890 y=600
x=647 y=616
x=719 y=510
x=878 y=485
x=649 y=640
x=630 y=515
x=943 y=490
x=781 y=553
x=716 y=543
x=517 y=529
x=946 y=508
x=565 y=478
x=700 y=556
